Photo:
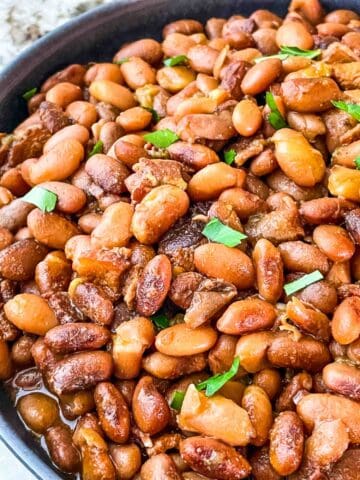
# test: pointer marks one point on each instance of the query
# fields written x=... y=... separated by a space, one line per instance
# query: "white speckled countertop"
x=21 y=23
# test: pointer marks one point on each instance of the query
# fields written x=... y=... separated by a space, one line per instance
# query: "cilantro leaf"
x=351 y=108
x=97 y=148
x=303 y=282
x=178 y=60
x=229 y=156
x=220 y=233
x=42 y=198
x=213 y=384
x=29 y=94
x=275 y=118
x=161 y=138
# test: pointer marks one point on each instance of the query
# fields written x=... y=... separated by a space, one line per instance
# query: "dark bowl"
x=96 y=36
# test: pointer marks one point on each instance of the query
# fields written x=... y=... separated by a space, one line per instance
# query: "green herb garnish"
x=177 y=400
x=357 y=163
x=161 y=138
x=213 y=384
x=351 y=108
x=121 y=61
x=275 y=118
x=286 y=51
x=29 y=94
x=178 y=60
x=154 y=113
x=303 y=282
x=220 y=233
x=97 y=148
x=300 y=52
x=160 y=320
x=229 y=156
x=42 y=198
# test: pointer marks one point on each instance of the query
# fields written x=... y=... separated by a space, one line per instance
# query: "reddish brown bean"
x=18 y=261
x=260 y=76
x=345 y=326
x=343 y=379
x=62 y=451
x=73 y=337
x=269 y=270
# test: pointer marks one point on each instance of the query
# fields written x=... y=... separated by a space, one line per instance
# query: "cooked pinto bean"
x=180 y=340
x=269 y=270
x=343 y=379
x=160 y=466
x=295 y=34
x=62 y=451
x=18 y=261
x=127 y=460
x=39 y=411
x=73 y=337
x=300 y=256
x=345 y=326
x=259 y=77
x=92 y=301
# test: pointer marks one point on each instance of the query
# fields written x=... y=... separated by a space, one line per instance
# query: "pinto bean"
x=53 y=274
x=308 y=95
x=113 y=230
x=186 y=26
x=214 y=459
x=126 y=459
x=301 y=381
x=198 y=126
x=246 y=316
x=256 y=402
x=63 y=93
x=160 y=466
x=261 y=76
x=153 y=285
x=157 y=212
x=222 y=354
x=104 y=71
x=58 y=163
x=113 y=412
x=345 y=326
x=38 y=411
x=286 y=443
x=169 y=367
x=62 y=451
x=261 y=466
x=315 y=408
x=311 y=321
x=70 y=199
x=180 y=340
x=251 y=350
x=302 y=257
x=352 y=222
x=324 y=210
x=247 y=118
x=216 y=417
x=113 y=93
x=30 y=313
x=76 y=404
x=334 y=242
x=342 y=379
x=96 y=462
x=233 y=265
x=147 y=48
x=130 y=341
x=92 y=301
x=73 y=73
x=195 y=156
x=327 y=443
x=269 y=380
x=107 y=172
x=269 y=270
x=150 y=409
x=18 y=260
x=73 y=337
x=80 y=371
x=137 y=73
x=75 y=132
x=5 y=361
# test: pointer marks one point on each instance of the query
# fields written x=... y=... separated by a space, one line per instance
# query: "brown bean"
x=246 y=316
x=50 y=229
x=137 y=73
x=294 y=34
x=269 y=380
x=83 y=113
x=157 y=212
x=302 y=257
x=130 y=341
x=5 y=361
x=21 y=351
x=113 y=230
x=158 y=467
x=206 y=126
x=311 y=321
x=202 y=58
x=107 y=172
x=269 y=270
x=147 y=48
x=247 y=118
x=92 y=300
x=256 y=402
x=244 y=203
x=38 y=411
x=126 y=459
x=261 y=76
x=334 y=242
x=186 y=26
x=345 y=326
x=343 y=379
x=63 y=93
x=316 y=408
x=75 y=132
x=134 y=119
x=327 y=443
x=153 y=285
x=222 y=354
x=251 y=350
x=73 y=337
x=209 y=182
x=61 y=449
x=113 y=412
x=177 y=44
x=344 y=182
x=214 y=459
x=58 y=163
x=347 y=467
x=104 y=71
x=150 y=409
x=298 y=383
x=324 y=210
x=180 y=340
x=30 y=313
x=195 y=156
x=216 y=416
x=261 y=466
x=112 y=93
x=321 y=295
x=18 y=261
x=169 y=367
x=13 y=181
x=309 y=94
x=96 y=462
x=286 y=443
x=70 y=199
x=76 y=404
x=232 y=265
x=80 y=371
x=307 y=353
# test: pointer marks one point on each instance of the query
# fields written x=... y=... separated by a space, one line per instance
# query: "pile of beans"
x=116 y=306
